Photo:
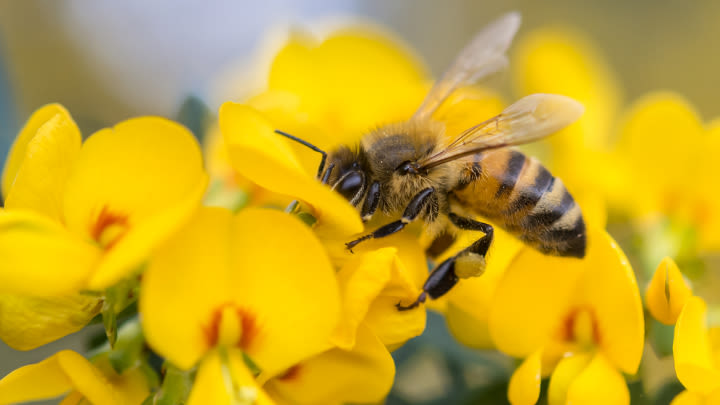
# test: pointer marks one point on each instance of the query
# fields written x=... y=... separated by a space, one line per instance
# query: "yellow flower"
x=667 y=292
x=83 y=216
x=362 y=375
x=352 y=81
x=257 y=284
x=359 y=368
x=330 y=92
x=670 y=154
x=27 y=322
x=579 y=320
x=372 y=283
x=564 y=62
x=265 y=158
x=696 y=350
x=67 y=371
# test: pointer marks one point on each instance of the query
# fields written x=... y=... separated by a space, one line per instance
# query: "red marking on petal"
x=105 y=220
x=567 y=332
x=212 y=330
x=291 y=374
x=248 y=327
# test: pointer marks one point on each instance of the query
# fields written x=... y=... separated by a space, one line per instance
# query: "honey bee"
x=414 y=170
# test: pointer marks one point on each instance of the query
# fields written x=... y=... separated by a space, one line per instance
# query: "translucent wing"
x=530 y=118
x=483 y=56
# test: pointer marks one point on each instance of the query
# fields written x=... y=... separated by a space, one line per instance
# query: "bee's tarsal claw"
x=421 y=299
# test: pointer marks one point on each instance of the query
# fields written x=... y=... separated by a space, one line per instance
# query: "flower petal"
x=531 y=299
x=40 y=258
x=708 y=219
x=100 y=384
x=28 y=322
x=39 y=179
x=226 y=380
x=363 y=375
x=692 y=350
x=143 y=173
x=247 y=389
x=18 y=151
x=343 y=82
x=59 y=373
x=524 y=386
x=667 y=292
x=563 y=62
x=599 y=383
x=138 y=243
x=609 y=288
x=262 y=262
x=277 y=263
x=371 y=285
x=394 y=327
x=131 y=387
x=360 y=281
x=650 y=129
x=43 y=380
x=688 y=398
x=566 y=371
x=183 y=284
x=263 y=157
x=210 y=385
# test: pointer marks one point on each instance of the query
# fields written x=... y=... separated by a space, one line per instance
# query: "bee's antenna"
x=324 y=179
x=309 y=145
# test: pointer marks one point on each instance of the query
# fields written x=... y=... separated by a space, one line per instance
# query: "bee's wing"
x=530 y=118
x=483 y=56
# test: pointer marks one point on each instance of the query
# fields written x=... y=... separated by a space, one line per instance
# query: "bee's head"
x=349 y=175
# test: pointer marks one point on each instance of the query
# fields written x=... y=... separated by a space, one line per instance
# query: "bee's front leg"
x=372 y=200
x=412 y=211
x=447 y=274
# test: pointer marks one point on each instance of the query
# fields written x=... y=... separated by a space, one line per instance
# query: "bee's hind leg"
x=467 y=262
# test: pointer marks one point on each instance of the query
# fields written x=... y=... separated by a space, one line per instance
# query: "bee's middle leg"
x=445 y=276
x=412 y=211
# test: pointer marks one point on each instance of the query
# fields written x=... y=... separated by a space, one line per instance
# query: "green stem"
x=175 y=387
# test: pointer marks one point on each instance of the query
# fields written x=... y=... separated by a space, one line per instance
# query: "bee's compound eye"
x=350 y=185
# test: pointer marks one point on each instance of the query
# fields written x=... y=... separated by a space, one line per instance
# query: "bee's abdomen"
x=519 y=194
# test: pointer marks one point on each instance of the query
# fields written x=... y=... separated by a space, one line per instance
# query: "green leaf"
x=661 y=337
x=667 y=393
x=195 y=115
x=109 y=317
x=638 y=396
x=175 y=387
x=117 y=298
x=128 y=347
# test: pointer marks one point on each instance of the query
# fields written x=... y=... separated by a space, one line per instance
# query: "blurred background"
x=107 y=61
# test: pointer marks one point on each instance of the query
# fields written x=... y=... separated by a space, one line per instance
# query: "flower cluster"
x=206 y=297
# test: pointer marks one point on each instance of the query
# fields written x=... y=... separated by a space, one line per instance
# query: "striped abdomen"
x=519 y=194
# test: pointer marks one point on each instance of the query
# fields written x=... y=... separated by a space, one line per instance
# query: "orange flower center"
x=581 y=327
x=231 y=326
x=109 y=228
